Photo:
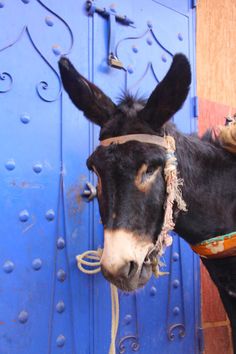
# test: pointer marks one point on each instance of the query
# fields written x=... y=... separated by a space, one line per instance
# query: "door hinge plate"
x=201 y=340
x=193 y=4
x=195 y=106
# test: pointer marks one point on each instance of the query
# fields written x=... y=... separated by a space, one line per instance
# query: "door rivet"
x=8 y=266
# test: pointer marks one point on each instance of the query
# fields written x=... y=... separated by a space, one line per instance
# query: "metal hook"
x=90 y=193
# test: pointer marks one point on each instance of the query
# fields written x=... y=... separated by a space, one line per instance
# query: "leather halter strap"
x=142 y=138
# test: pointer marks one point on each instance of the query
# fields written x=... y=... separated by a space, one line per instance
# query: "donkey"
x=131 y=186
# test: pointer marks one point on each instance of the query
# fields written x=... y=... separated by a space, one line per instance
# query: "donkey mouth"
x=129 y=285
x=145 y=275
x=126 y=259
x=136 y=278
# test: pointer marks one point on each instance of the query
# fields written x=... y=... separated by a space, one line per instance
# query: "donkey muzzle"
x=124 y=259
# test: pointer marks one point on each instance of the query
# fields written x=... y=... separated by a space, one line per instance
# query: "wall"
x=216 y=80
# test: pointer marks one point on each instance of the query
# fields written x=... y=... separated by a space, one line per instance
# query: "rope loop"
x=92 y=262
x=92 y=259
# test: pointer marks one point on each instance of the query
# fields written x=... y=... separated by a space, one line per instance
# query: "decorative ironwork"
x=149 y=33
x=149 y=67
x=6 y=77
x=65 y=23
x=172 y=328
x=175 y=285
x=134 y=345
x=159 y=43
x=42 y=88
x=43 y=85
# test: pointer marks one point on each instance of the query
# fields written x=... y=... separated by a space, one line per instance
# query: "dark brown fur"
x=209 y=172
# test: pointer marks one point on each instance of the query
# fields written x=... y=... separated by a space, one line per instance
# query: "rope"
x=174 y=195
x=92 y=259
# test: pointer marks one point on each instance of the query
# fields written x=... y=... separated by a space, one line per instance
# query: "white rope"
x=92 y=259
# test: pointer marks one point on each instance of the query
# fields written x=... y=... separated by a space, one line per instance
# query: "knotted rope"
x=174 y=195
x=92 y=259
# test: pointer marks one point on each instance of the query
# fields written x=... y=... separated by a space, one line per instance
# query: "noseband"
x=141 y=138
x=173 y=188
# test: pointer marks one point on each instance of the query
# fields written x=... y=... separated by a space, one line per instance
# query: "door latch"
x=91 y=8
x=112 y=17
x=90 y=192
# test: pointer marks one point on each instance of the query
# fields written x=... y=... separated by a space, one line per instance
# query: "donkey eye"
x=146 y=175
x=151 y=169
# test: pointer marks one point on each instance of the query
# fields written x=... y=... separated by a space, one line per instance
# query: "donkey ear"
x=169 y=95
x=96 y=106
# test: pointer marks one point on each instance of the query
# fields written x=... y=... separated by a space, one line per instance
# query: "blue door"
x=46 y=305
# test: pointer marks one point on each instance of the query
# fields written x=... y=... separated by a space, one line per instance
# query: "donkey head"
x=131 y=187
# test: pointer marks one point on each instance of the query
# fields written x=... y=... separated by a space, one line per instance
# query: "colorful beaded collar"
x=217 y=247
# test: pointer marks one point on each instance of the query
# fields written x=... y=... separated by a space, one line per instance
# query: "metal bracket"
x=195 y=106
x=201 y=343
x=112 y=58
x=90 y=193
x=91 y=8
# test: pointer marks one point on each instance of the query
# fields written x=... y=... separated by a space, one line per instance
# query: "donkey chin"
x=124 y=259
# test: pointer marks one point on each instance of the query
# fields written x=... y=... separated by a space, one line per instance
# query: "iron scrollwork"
x=8 y=78
x=172 y=288
x=134 y=344
x=172 y=328
x=149 y=67
x=42 y=88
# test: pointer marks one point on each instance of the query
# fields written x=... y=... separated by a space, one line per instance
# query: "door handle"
x=90 y=192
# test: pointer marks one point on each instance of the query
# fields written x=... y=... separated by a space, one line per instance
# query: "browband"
x=142 y=138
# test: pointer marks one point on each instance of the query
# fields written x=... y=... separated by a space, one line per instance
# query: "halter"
x=174 y=194
x=173 y=189
x=142 y=138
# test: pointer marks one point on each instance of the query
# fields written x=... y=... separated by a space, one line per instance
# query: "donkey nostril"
x=133 y=266
x=127 y=271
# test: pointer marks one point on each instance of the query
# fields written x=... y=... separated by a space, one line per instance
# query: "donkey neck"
x=209 y=174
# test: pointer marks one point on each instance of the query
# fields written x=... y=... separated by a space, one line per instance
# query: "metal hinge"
x=195 y=106
x=201 y=343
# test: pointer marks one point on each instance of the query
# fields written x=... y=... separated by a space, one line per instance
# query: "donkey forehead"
x=129 y=156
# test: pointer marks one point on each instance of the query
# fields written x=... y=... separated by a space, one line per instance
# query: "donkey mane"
x=129 y=99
